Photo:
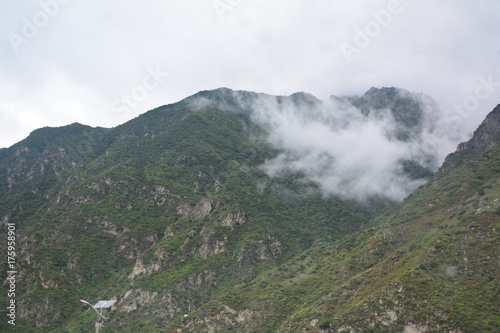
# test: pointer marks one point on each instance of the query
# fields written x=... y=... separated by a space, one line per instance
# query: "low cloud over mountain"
x=384 y=143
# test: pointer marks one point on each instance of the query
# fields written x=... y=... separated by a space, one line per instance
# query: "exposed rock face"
x=140 y=268
x=135 y=298
x=233 y=219
x=211 y=245
x=226 y=316
x=485 y=137
x=202 y=209
x=487 y=134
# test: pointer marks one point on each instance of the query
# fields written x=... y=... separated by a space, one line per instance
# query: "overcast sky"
x=104 y=62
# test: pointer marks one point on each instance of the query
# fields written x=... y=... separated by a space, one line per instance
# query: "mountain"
x=405 y=108
x=202 y=207
x=486 y=136
x=163 y=206
x=427 y=265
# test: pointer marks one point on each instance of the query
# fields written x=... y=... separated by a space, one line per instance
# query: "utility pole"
x=98 y=325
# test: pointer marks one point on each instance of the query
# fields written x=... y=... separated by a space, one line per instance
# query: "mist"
x=347 y=152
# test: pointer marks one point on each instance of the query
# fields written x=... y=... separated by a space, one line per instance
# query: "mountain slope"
x=430 y=265
x=151 y=213
x=174 y=212
x=486 y=136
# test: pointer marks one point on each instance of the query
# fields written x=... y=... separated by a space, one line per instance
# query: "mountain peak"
x=486 y=136
x=188 y=207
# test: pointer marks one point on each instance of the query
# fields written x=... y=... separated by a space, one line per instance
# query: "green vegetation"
x=429 y=263
x=173 y=190
x=171 y=215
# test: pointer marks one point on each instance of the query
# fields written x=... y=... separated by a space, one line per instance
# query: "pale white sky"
x=104 y=62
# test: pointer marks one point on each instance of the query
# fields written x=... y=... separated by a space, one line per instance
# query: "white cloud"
x=348 y=154
x=101 y=50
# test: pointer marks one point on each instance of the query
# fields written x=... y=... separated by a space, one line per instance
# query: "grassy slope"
x=135 y=194
x=431 y=265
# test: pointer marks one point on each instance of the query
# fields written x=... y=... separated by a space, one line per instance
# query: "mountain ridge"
x=172 y=213
x=417 y=268
x=487 y=135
